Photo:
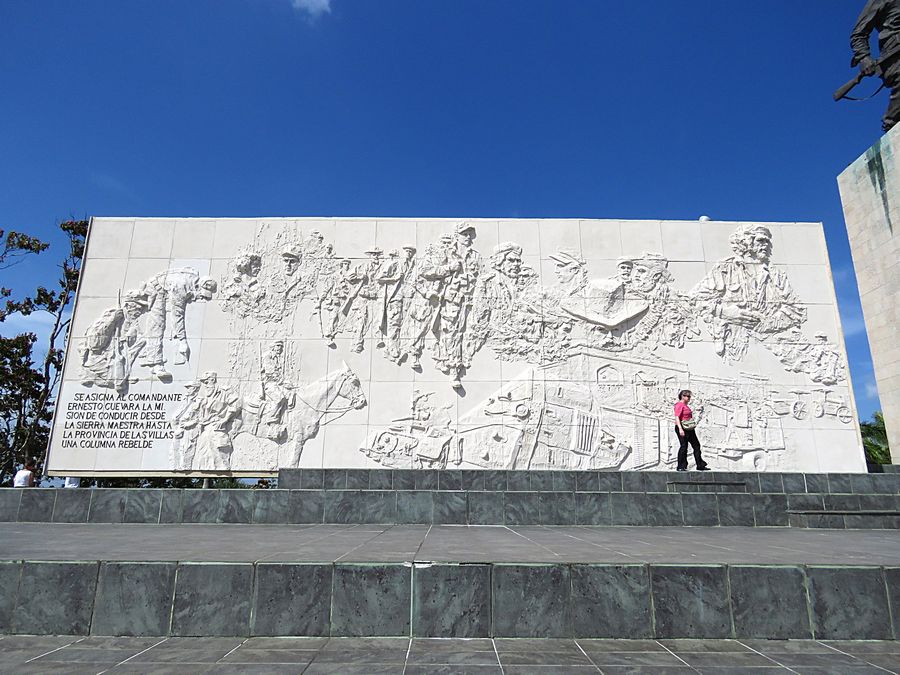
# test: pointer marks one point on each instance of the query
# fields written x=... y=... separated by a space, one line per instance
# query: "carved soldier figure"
x=314 y=245
x=498 y=298
x=667 y=318
x=363 y=304
x=318 y=261
x=184 y=445
x=606 y=304
x=624 y=270
x=100 y=361
x=882 y=16
x=168 y=295
x=112 y=344
x=242 y=290
x=333 y=299
x=827 y=365
x=392 y=276
x=287 y=284
x=427 y=281
x=571 y=278
x=275 y=397
x=465 y=266
x=744 y=296
x=218 y=408
x=794 y=351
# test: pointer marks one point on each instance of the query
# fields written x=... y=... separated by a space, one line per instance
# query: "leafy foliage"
x=875 y=440
x=29 y=371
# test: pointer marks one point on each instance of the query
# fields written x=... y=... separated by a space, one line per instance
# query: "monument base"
x=461 y=554
x=449 y=581
x=590 y=498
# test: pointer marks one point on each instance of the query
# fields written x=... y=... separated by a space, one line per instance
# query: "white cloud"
x=851 y=317
x=39 y=323
x=110 y=183
x=871 y=389
x=843 y=274
x=314 y=8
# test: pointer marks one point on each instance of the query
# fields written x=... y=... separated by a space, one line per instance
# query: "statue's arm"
x=859 y=38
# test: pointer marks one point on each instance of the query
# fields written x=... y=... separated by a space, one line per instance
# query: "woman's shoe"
x=703 y=468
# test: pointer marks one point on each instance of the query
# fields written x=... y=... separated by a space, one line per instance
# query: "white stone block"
x=152 y=239
x=110 y=238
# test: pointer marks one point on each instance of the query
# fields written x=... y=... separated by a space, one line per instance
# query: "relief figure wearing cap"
x=186 y=429
x=456 y=303
x=288 y=285
x=392 y=276
x=217 y=410
x=668 y=319
x=606 y=303
x=361 y=305
x=335 y=298
x=500 y=310
x=427 y=281
x=112 y=344
x=264 y=409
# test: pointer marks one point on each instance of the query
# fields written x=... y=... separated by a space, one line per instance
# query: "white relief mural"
x=136 y=328
x=449 y=345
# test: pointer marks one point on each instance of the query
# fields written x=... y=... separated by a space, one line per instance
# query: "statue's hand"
x=868 y=66
x=739 y=316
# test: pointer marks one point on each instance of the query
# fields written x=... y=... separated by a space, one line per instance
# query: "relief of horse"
x=320 y=403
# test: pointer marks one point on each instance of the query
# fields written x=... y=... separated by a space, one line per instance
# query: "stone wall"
x=870 y=191
x=244 y=346
x=448 y=600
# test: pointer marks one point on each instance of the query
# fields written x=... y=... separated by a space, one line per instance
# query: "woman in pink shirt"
x=685 y=428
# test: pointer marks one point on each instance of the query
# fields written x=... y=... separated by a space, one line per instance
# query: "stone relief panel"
x=434 y=352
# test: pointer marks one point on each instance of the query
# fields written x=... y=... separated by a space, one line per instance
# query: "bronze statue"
x=882 y=16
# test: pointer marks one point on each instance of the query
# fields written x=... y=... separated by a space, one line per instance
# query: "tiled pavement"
x=448 y=543
x=374 y=656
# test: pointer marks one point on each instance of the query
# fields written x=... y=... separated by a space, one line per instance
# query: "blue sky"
x=495 y=108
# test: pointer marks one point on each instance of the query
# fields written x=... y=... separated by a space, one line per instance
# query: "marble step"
x=844 y=519
x=424 y=506
x=588 y=481
x=450 y=582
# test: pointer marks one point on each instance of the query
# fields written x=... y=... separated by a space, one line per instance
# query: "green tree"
x=31 y=367
x=875 y=440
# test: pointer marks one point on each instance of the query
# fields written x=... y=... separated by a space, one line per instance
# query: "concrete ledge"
x=459 y=507
x=585 y=481
x=450 y=600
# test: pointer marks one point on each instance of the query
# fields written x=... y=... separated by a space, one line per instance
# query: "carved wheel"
x=799 y=410
x=818 y=410
x=843 y=414
x=387 y=443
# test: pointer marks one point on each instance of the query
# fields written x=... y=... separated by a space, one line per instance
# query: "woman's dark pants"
x=690 y=436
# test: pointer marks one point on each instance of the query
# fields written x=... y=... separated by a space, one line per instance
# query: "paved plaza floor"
x=447 y=543
x=401 y=656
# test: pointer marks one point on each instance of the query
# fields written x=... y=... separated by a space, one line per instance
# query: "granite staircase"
x=456 y=553
x=338 y=496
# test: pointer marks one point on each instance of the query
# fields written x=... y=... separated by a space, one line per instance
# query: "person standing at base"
x=25 y=477
x=685 y=427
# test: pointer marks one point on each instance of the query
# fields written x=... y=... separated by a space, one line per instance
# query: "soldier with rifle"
x=882 y=16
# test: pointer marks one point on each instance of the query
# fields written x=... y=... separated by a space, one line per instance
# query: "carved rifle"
x=882 y=61
x=119 y=360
